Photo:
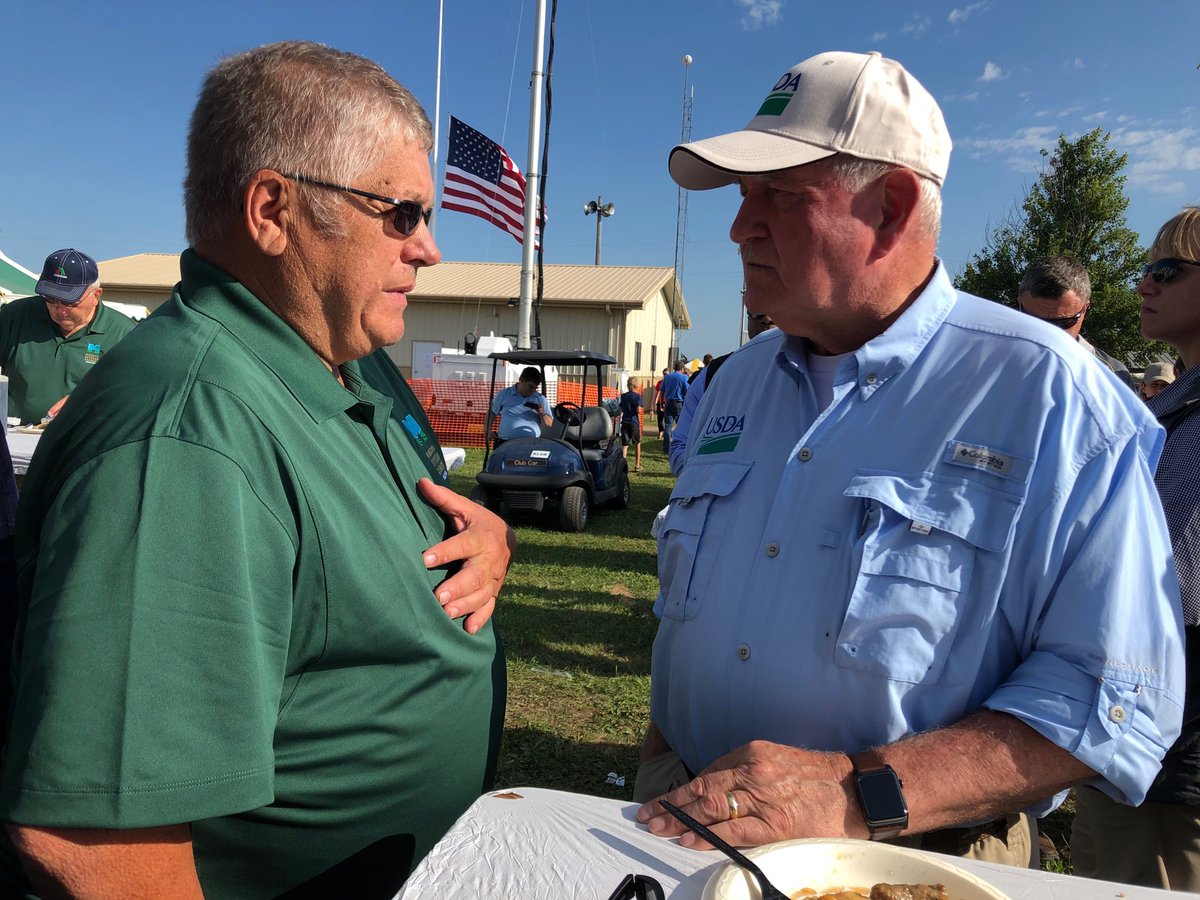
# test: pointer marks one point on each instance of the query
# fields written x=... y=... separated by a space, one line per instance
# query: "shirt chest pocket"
x=919 y=539
x=698 y=488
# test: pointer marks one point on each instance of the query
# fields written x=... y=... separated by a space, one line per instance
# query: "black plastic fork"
x=768 y=890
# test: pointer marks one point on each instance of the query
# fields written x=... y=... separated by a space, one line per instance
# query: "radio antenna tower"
x=681 y=211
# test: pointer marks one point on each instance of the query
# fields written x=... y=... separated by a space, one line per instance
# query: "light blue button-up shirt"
x=972 y=523
x=516 y=419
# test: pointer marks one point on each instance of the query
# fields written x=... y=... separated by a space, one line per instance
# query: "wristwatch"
x=880 y=795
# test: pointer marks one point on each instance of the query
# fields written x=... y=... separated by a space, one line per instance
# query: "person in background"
x=704 y=364
x=884 y=614
x=756 y=324
x=674 y=390
x=659 y=403
x=632 y=407
x=522 y=408
x=49 y=342
x=254 y=656
x=1058 y=290
x=1158 y=843
x=1156 y=378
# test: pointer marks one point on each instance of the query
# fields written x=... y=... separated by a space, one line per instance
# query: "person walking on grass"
x=632 y=407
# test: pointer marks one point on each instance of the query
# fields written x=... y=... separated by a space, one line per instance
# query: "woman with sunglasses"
x=1158 y=843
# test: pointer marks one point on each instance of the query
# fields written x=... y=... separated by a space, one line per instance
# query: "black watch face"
x=882 y=799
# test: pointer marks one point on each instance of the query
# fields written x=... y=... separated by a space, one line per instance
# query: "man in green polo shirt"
x=49 y=342
x=254 y=657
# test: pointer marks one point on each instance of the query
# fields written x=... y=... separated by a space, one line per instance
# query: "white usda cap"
x=861 y=104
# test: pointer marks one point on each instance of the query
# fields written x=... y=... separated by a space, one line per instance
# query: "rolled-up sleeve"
x=1103 y=668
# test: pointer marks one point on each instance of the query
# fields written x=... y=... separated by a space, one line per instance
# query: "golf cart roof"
x=556 y=357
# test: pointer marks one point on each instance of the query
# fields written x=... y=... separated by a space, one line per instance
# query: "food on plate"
x=880 y=892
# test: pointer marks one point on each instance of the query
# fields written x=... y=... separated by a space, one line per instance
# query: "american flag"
x=481 y=179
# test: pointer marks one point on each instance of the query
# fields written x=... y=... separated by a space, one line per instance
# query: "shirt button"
x=744 y=652
x=805 y=454
x=871 y=379
x=772 y=549
x=1117 y=714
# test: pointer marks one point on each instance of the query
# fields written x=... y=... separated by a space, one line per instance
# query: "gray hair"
x=1053 y=276
x=293 y=106
x=853 y=174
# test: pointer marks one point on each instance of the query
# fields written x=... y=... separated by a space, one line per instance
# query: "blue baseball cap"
x=67 y=275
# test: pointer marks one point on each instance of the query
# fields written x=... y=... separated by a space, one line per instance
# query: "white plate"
x=830 y=864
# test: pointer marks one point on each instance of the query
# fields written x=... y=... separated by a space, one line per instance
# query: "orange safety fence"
x=457 y=410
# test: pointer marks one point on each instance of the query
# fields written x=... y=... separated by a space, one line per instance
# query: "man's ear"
x=268 y=210
x=899 y=196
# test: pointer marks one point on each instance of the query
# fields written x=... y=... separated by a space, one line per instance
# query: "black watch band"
x=880 y=795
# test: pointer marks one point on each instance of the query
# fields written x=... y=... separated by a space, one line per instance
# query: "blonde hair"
x=1179 y=237
x=635 y=384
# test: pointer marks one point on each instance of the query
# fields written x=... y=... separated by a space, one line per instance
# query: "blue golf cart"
x=575 y=464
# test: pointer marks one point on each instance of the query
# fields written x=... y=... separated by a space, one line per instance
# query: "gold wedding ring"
x=734 y=806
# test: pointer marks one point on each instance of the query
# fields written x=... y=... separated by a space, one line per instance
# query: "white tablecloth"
x=20 y=448
x=551 y=845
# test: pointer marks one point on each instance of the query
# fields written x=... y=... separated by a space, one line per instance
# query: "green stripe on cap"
x=775 y=103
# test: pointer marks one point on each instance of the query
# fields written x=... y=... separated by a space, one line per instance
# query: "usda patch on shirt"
x=721 y=434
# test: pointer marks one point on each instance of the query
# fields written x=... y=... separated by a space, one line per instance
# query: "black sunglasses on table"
x=409 y=213
x=1163 y=270
x=638 y=887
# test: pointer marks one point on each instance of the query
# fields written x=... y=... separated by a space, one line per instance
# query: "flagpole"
x=531 y=179
x=437 y=120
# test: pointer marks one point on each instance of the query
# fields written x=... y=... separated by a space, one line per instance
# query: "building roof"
x=144 y=271
x=620 y=286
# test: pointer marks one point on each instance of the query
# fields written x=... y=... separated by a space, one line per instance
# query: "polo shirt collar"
x=217 y=295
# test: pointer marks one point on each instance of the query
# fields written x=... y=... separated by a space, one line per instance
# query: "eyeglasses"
x=54 y=301
x=408 y=213
x=1063 y=322
x=638 y=887
x=1163 y=270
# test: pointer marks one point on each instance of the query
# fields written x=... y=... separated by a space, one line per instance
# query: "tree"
x=1075 y=208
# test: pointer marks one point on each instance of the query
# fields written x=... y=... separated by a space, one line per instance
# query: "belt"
x=957 y=841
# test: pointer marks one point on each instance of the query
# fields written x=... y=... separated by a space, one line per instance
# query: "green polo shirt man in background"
x=49 y=342
x=241 y=668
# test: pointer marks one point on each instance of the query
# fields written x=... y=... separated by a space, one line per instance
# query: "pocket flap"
x=718 y=479
x=982 y=517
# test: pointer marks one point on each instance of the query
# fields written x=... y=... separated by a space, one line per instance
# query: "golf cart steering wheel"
x=570 y=414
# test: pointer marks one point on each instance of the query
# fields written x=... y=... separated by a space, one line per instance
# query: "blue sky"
x=96 y=99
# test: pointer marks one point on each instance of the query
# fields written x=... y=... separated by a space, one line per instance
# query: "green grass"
x=575 y=617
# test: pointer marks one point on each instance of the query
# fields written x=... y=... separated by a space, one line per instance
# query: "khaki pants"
x=664 y=773
x=1154 y=845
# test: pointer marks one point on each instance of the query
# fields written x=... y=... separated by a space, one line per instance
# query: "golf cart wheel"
x=573 y=509
x=621 y=501
x=479 y=495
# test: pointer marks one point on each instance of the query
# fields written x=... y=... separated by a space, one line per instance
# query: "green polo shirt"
x=225 y=619
x=43 y=366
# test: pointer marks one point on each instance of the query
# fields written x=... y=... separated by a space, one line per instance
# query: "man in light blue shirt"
x=521 y=408
x=916 y=538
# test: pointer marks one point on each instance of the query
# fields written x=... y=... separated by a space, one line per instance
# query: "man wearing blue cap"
x=49 y=342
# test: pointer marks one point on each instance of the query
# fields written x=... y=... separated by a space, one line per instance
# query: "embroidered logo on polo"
x=92 y=355
x=721 y=434
x=434 y=461
x=781 y=95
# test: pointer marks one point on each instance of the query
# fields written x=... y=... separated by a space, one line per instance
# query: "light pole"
x=603 y=211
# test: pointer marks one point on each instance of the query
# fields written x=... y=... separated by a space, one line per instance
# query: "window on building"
x=654 y=358
x=637 y=356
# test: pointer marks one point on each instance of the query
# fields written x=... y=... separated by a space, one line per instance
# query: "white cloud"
x=1097 y=116
x=1020 y=150
x=1025 y=95
x=1072 y=65
x=965 y=98
x=878 y=36
x=760 y=13
x=1122 y=119
x=991 y=72
x=1042 y=113
x=1069 y=111
x=917 y=26
x=958 y=16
